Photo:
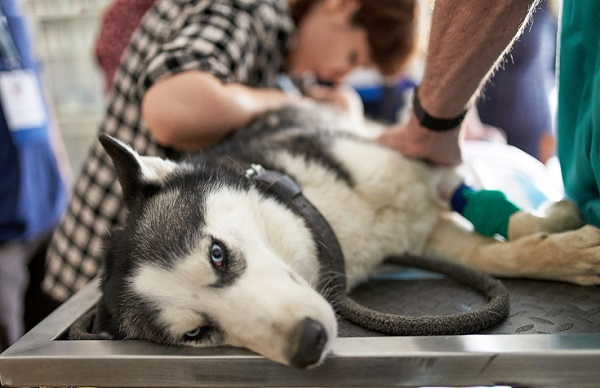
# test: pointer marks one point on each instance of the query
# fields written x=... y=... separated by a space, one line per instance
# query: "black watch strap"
x=434 y=123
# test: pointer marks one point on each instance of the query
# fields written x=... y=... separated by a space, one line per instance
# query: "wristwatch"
x=434 y=123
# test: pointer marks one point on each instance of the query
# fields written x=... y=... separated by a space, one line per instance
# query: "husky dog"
x=206 y=257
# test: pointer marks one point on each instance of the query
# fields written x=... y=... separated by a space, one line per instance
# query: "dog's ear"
x=134 y=170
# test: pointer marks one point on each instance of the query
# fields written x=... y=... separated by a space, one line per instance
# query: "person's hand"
x=414 y=141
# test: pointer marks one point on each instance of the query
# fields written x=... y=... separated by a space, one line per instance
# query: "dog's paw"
x=572 y=256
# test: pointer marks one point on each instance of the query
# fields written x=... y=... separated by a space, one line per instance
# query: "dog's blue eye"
x=217 y=255
x=196 y=334
x=193 y=333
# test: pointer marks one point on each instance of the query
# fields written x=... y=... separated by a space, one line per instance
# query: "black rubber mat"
x=535 y=306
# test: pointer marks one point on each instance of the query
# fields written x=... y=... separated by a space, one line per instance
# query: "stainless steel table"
x=44 y=357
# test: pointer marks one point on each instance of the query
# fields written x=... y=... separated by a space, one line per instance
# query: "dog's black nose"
x=312 y=339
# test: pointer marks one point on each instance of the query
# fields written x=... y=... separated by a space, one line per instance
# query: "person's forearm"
x=194 y=110
x=467 y=38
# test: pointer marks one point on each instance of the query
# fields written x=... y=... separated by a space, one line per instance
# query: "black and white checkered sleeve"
x=214 y=42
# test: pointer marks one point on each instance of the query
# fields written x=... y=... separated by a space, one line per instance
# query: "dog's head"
x=206 y=259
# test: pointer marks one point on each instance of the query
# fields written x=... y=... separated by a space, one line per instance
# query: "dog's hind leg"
x=572 y=256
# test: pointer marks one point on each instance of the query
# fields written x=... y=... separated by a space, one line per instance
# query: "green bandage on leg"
x=488 y=210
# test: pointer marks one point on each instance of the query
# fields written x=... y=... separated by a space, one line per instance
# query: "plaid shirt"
x=235 y=40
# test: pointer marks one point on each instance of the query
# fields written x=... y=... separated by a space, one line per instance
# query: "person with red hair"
x=194 y=71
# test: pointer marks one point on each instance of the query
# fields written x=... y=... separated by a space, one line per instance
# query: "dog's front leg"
x=572 y=256
x=556 y=217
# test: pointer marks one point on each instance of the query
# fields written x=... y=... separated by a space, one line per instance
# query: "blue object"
x=382 y=102
x=32 y=193
x=515 y=99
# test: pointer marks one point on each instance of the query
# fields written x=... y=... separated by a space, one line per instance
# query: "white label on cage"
x=21 y=100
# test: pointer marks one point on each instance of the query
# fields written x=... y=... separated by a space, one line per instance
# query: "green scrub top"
x=578 y=120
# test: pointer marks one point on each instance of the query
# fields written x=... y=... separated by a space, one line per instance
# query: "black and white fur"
x=206 y=258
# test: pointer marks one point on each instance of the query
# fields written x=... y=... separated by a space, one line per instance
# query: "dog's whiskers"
x=331 y=284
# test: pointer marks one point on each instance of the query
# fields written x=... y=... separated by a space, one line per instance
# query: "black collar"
x=333 y=279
